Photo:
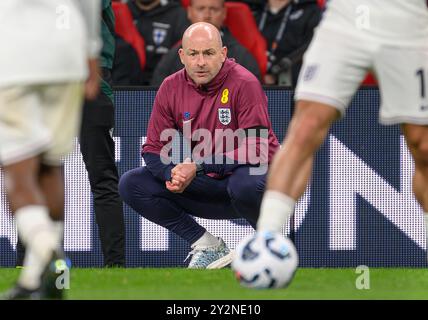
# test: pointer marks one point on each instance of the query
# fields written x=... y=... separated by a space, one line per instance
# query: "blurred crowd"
x=268 y=37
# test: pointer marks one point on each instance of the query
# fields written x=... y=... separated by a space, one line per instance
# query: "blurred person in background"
x=214 y=12
x=161 y=23
x=288 y=27
x=98 y=151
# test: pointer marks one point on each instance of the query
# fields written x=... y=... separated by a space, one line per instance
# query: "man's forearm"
x=157 y=167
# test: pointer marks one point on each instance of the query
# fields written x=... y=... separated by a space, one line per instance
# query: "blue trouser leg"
x=246 y=193
x=205 y=197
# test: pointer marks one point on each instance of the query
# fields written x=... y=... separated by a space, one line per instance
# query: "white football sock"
x=276 y=209
x=37 y=233
x=58 y=227
x=30 y=275
x=207 y=240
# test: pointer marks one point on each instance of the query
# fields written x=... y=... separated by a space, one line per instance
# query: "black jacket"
x=171 y=63
x=161 y=28
x=303 y=18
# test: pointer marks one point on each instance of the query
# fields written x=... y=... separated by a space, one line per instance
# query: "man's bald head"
x=202 y=30
x=202 y=52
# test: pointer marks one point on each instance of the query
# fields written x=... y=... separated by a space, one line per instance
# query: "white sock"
x=30 y=275
x=207 y=240
x=58 y=227
x=276 y=209
x=37 y=233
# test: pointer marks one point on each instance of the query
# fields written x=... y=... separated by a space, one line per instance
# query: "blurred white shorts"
x=336 y=63
x=39 y=120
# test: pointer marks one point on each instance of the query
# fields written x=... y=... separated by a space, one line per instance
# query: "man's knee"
x=125 y=184
x=134 y=183
x=422 y=153
x=22 y=176
x=417 y=141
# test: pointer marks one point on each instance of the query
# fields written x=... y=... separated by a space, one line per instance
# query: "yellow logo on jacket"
x=225 y=96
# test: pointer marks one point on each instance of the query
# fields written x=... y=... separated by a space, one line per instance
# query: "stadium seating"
x=321 y=3
x=242 y=25
x=126 y=29
x=370 y=80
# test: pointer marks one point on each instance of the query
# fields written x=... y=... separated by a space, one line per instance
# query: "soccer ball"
x=265 y=260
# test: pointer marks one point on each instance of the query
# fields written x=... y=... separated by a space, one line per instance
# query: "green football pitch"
x=183 y=284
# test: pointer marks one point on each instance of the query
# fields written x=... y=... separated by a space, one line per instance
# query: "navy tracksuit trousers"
x=236 y=196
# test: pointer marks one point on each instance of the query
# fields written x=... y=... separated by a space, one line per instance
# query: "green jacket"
x=108 y=50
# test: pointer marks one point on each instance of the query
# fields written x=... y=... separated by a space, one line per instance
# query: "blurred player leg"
x=292 y=165
x=24 y=141
x=20 y=252
x=32 y=218
x=52 y=186
x=402 y=72
x=417 y=141
x=62 y=105
x=59 y=111
x=333 y=69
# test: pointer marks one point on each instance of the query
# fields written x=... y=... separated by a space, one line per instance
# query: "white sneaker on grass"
x=205 y=257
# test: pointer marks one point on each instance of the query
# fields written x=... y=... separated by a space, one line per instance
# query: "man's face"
x=211 y=11
x=202 y=57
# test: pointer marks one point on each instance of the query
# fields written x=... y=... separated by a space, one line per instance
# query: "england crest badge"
x=159 y=35
x=224 y=116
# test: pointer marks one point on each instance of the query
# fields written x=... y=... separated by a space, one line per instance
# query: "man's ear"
x=224 y=53
x=181 y=54
x=189 y=14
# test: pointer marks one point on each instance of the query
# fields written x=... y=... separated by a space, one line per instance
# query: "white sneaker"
x=203 y=257
x=222 y=262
